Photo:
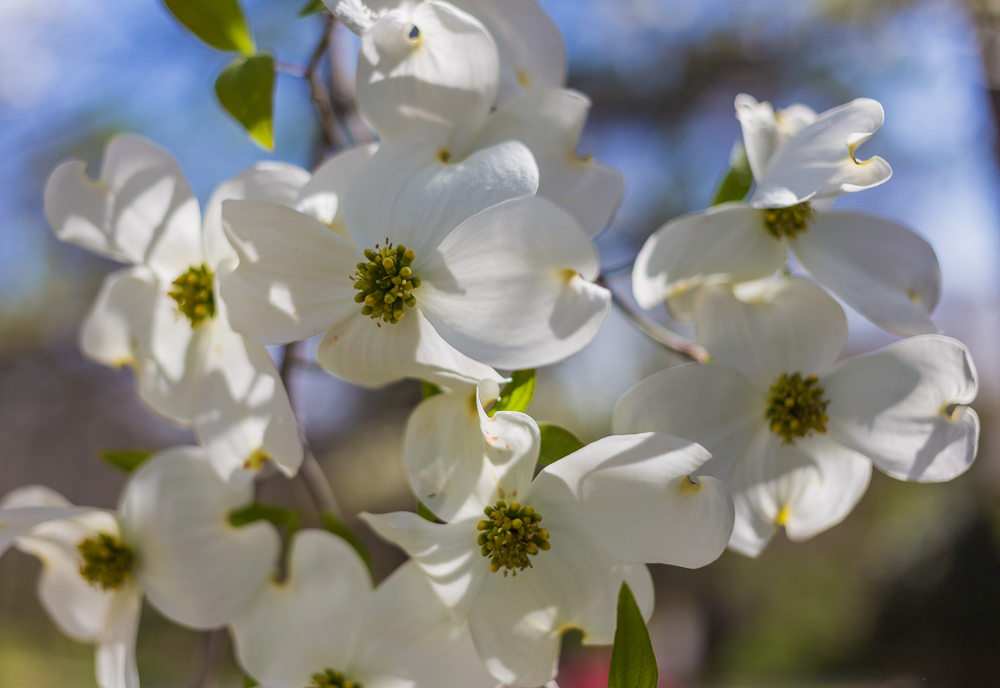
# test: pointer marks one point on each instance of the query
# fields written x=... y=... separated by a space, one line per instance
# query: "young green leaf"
x=516 y=396
x=337 y=527
x=429 y=389
x=312 y=7
x=738 y=179
x=275 y=515
x=633 y=664
x=220 y=23
x=249 y=682
x=557 y=442
x=245 y=90
x=426 y=513
x=126 y=459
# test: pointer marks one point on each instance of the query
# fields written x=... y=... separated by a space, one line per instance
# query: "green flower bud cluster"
x=193 y=291
x=106 y=561
x=332 y=679
x=788 y=222
x=510 y=535
x=386 y=283
x=796 y=407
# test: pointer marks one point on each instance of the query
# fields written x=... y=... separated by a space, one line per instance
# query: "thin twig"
x=213 y=651
x=661 y=335
x=332 y=136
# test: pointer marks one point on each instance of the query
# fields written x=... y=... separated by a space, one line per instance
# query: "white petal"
x=407 y=638
x=461 y=460
x=532 y=52
x=727 y=243
x=196 y=568
x=406 y=194
x=713 y=405
x=323 y=196
x=632 y=497
x=242 y=412
x=140 y=210
x=550 y=122
x=518 y=621
x=117 y=330
x=116 y=667
x=880 y=268
x=764 y=130
x=807 y=487
x=793 y=327
x=361 y=352
x=306 y=623
x=274 y=182
x=447 y=554
x=896 y=407
x=510 y=287
x=294 y=276
x=819 y=162
x=445 y=75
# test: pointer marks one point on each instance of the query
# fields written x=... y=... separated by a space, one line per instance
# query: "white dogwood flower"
x=171 y=541
x=324 y=627
x=163 y=315
x=552 y=552
x=440 y=288
x=793 y=433
x=428 y=79
x=800 y=161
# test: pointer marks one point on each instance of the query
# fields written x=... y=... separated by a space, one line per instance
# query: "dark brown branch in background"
x=333 y=137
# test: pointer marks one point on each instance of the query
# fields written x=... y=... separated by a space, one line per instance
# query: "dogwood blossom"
x=801 y=161
x=428 y=80
x=440 y=290
x=170 y=541
x=793 y=433
x=324 y=626
x=608 y=509
x=164 y=315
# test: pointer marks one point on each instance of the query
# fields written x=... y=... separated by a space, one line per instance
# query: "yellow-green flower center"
x=193 y=291
x=332 y=679
x=788 y=222
x=386 y=283
x=509 y=535
x=796 y=407
x=106 y=561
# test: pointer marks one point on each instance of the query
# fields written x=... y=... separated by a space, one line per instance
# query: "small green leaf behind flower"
x=125 y=459
x=517 y=395
x=633 y=664
x=738 y=178
x=426 y=513
x=557 y=443
x=312 y=7
x=219 y=23
x=337 y=527
x=275 y=515
x=246 y=91
x=429 y=389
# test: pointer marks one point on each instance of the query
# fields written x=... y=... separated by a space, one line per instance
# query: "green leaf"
x=276 y=515
x=429 y=389
x=126 y=459
x=633 y=664
x=557 y=442
x=517 y=394
x=426 y=513
x=736 y=183
x=220 y=23
x=246 y=90
x=337 y=527
x=249 y=682
x=312 y=7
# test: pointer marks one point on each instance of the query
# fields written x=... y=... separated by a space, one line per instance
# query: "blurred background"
x=906 y=592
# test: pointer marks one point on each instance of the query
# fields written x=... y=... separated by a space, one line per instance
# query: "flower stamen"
x=386 y=283
x=106 y=561
x=510 y=535
x=796 y=407
x=332 y=679
x=788 y=222
x=195 y=295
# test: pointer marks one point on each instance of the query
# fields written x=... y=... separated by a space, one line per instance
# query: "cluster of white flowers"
x=457 y=246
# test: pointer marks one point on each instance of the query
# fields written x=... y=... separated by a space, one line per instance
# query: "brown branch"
x=213 y=651
x=332 y=135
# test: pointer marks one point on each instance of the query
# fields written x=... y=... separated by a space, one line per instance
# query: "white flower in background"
x=427 y=82
x=552 y=552
x=171 y=541
x=443 y=289
x=793 y=433
x=324 y=627
x=163 y=315
x=800 y=161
